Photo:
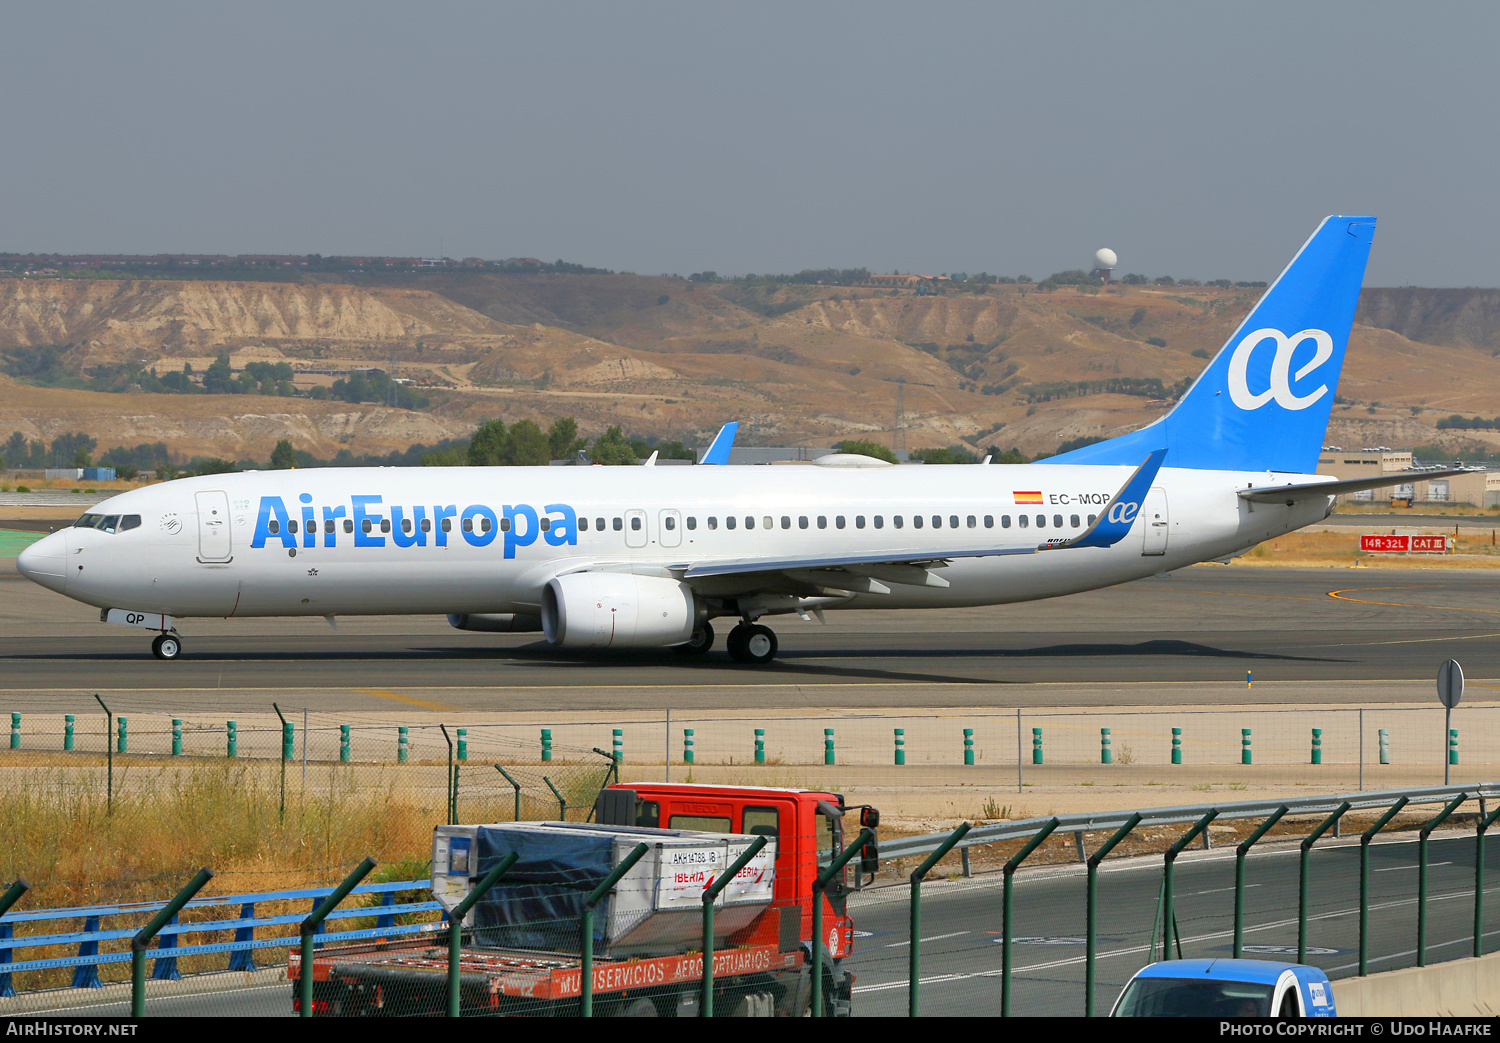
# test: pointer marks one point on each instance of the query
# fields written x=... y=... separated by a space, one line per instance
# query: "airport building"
x=1477 y=488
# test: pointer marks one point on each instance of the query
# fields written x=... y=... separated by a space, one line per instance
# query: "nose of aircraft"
x=46 y=561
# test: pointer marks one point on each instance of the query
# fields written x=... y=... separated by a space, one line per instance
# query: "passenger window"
x=468 y=525
x=822 y=521
x=406 y=525
x=484 y=525
x=635 y=525
x=989 y=521
x=599 y=524
x=1057 y=521
x=291 y=526
x=749 y=521
x=898 y=521
x=766 y=522
x=879 y=521
x=447 y=525
x=1041 y=521
x=1073 y=518
x=618 y=525
x=971 y=521
x=916 y=521
x=859 y=521
x=1091 y=518
x=273 y=526
x=426 y=524
x=349 y=524
x=937 y=521
x=385 y=525
x=1023 y=520
x=802 y=521
x=1004 y=521
x=730 y=522
x=838 y=522
x=706 y=823
x=670 y=523
x=786 y=522
x=713 y=522
x=130 y=521
x=583 y=525
x=544 y=523
x=953 y=521
x=692 y=523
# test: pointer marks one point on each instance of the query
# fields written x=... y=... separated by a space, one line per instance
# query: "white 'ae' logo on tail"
x=1280 y=388
x=1123 y=513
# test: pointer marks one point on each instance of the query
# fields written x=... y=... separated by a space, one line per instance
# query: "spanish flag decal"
x=1027 y=497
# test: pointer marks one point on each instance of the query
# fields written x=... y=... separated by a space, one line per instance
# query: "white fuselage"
x=206 y=546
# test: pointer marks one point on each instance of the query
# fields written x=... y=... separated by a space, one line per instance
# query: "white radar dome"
x=1105 y=259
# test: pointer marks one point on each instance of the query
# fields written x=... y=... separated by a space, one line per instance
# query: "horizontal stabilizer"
x=1290 y=494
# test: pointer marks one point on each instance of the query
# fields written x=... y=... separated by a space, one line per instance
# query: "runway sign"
x=1381 y=543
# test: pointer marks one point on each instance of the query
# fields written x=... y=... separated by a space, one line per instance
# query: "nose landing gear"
x=166 y=646
x=751 y=643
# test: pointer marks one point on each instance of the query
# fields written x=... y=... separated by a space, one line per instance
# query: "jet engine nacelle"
x=617 y=610
x=496 y=623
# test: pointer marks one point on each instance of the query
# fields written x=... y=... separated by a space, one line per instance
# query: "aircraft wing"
x=913 y=567
x=1290 y=494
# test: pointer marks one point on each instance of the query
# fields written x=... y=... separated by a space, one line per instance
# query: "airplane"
x=648 y=557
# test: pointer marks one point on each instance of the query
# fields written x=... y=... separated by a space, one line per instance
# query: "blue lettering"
x=329 y=514
x=564 y=529
x=269 y=506
x=473 y=533
x=418 y=538
x=362 y=538
x=439 y=515
x=514 y=537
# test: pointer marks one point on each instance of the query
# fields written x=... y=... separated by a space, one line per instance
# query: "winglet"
x=718 y=449
x=1119 y=514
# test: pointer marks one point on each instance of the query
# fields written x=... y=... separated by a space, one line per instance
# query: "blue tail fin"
x=1262 y=404
x=718 y=449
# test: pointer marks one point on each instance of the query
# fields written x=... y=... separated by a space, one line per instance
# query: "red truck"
x=521 y=956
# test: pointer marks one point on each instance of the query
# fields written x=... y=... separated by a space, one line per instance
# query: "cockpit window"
x=88 y=521
x=109 y=522
x=130 y=521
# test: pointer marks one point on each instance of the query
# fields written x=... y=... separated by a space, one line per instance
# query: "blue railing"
x=86 y=962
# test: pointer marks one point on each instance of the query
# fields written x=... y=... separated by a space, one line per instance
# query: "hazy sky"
x=1194 y=139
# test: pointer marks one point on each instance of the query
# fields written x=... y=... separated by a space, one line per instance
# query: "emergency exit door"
x=213 y=527
x=1156 y=523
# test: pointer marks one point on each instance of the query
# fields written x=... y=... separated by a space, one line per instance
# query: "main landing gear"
x=166 y=646
x=751 y=643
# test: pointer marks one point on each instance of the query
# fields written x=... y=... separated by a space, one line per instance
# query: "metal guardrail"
x=907 y=847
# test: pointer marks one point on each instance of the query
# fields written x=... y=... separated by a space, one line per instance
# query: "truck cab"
x=808 y=825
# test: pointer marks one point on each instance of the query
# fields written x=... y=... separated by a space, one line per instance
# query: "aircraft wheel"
x=752 y=643
x=166 y=646
x=701 y=641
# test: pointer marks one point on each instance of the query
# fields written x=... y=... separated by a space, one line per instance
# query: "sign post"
x=1450 y=686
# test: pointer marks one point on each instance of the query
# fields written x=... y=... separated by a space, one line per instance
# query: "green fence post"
x=1317 y=746
x=67 y=731
x=344 y=744
x=176 y=736
x=1364 y=882
x=403 y=745
x=310 y=924
x=1168 y=909
x=586 y=926
x=1484 y=824
x=144 y=936
x=122 y=743
x=687 y=746
x=828 y=755
x=514 y=785
x=546 y=745
x=1176 y=745
x=288 y=741
x=13 y=894
x=231 y=739
x=833 y=869
x=1036 y=746
x=617 y=746
x=109 y=756
x=710 y=895
x=452 y=778
x=1245 y=755
x=1006 y=927
x=1239 y=875
x=456 y=926
x=914 y=949
x=463 y=745
x=760 y=746
x=1422 y=837
x=900 y=745
x=562 y=805
x=1307 y=844
x=1106 y=755
x=1090 y=941
x=968 y=746
x=1452 y=745
x=1385 y=747
x=15 y=731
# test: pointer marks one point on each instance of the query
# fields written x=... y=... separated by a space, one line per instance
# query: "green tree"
x=864 y=447
x=73 y=448
x=562 y=438
x=953 y=454
x=612 y=448
x=490 y=445
x=218 y=379
x=283 y=457
x=528 y=445
x=1010 y=456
